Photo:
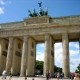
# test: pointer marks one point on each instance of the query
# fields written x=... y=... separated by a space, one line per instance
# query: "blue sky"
x=17 y=10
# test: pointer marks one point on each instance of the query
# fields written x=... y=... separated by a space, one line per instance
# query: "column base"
x=66 y=77
x=22 y=75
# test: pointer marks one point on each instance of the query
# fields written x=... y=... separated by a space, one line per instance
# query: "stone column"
x=24 y=56
x=10 y=54
x=65 y=55
x=46 y=54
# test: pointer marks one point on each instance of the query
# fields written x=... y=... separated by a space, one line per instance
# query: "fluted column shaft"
x=10 y=54
x=46 y=54
x=65 y=55
x=24 y=56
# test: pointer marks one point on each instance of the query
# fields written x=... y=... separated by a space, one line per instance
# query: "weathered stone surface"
x=47 y=25
x=66 y=19
x=24 y=56
x=11 y=24
x=46 y=54
x=42 y=26
x=44 y=19
x=10 y=54
x=35 y=31
x=36 y=20
x=65 y=55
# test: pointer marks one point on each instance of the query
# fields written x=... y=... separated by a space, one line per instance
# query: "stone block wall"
x=65 y=20
x=11 y=24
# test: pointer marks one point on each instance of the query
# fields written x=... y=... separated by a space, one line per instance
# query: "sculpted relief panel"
x=36 y=21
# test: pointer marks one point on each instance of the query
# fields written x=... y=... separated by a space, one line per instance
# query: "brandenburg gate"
x=18 y=43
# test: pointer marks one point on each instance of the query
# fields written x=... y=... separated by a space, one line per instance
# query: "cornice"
x=37 y=26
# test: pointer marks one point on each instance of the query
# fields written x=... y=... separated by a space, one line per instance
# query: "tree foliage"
x=40 y=64
x=78 y=69
x=57 y=69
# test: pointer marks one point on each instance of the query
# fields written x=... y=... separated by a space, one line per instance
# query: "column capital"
x=47 y=36
x=64 y=34
x=11 y=36
x=25 y=38
x=11 y=39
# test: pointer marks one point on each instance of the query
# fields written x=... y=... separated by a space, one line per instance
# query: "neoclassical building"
x=18 y=43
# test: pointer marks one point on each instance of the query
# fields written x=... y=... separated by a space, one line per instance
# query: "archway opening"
x=39 y=59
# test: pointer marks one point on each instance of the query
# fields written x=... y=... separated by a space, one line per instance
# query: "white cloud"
x=58 y=54
x=74 y=63
x=1 y=10
x=57 y=45
x=74 y=52
x=77 y=45
x=74 y=45
x=40 y=56
x=2 y=2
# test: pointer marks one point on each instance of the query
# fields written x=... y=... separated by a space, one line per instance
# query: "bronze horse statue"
x=43 y=13
x=34 y=14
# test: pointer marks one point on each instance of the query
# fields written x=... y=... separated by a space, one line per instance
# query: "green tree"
x=40 y=64
x=56 y=69
x=78 y=69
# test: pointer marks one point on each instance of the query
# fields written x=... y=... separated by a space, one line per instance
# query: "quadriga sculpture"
x=30 y=14
x=46 y=11
x=41 y=12
x=35 y=13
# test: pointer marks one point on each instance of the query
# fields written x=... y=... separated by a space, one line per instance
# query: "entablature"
x=40 y=31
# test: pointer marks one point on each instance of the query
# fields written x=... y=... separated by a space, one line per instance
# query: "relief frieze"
x=38 y=30
x=18 y=32
x=25 y=31
x=10 y=32
x=45 y=29
x=34 y=30
x=36 y=21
